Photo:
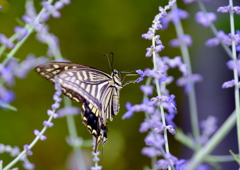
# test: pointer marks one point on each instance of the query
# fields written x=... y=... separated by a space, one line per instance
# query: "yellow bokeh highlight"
x=5 y=6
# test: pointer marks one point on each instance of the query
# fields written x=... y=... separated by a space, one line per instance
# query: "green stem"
x=74 y=136
x=235 y=73
x=191 y=94
x=213 y=142
x=160 y=102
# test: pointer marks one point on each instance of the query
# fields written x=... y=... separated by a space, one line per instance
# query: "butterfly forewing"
x=97 y=90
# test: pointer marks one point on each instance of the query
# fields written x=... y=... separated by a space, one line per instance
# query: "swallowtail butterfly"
x=96 y=90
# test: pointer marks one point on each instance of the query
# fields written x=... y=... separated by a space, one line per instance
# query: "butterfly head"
x=116 y=78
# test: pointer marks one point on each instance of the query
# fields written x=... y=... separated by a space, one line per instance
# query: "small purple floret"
x=5 y=41
x=68 y=111
x=148 y=90
x=205 y=19
x=151 y=152
x=48 y=124
x=28 y=165
x=228 y=84
x=26 y=147
x=41 y=136
x=22 y=32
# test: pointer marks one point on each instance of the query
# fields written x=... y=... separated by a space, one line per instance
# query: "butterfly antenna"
x=112 y=58
x=110 y=64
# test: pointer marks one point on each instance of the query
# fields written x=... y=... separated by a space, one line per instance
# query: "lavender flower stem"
x=191 y=94
x=213 y=28
x=30 y=146
x=160 y=103
x=153 y=159
x=73 y=135
x=19 y=43
x=235 y=73
x=213 y=142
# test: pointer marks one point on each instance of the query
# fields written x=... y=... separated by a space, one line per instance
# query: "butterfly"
x=96 y=90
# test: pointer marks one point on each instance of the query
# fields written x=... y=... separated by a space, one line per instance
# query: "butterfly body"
x=96 y=90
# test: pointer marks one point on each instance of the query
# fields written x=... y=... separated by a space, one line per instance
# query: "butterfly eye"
x=115 y=72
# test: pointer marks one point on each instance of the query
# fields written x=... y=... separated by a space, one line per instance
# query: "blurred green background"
x=86 y=30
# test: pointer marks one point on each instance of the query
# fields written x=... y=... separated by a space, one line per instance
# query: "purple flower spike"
x=5 y=41
x=41 y=136
x=205 y=19
x=22 y=32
